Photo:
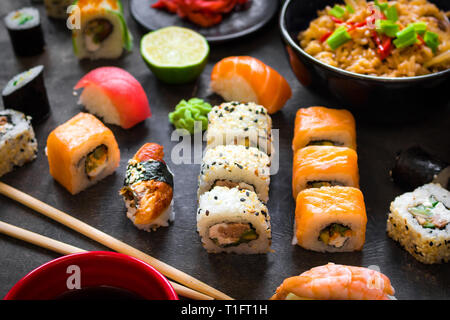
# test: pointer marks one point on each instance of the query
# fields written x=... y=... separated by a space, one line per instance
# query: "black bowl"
x=369 y=94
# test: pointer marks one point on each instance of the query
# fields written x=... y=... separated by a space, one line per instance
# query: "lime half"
x=175 y=54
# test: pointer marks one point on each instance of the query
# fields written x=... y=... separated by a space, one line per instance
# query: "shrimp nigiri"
x=247 y=79
x=336 y=282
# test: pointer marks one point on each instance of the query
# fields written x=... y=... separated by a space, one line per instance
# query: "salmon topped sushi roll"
x=324 y=126
x=247 y=79
x=81 y=152
x=148 y=189
x=318 y=166
x=330 y=219
x=336 y=282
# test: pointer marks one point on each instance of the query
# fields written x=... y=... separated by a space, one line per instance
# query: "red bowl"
x=97 y=268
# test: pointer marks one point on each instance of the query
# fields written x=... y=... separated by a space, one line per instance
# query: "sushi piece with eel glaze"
x=148 y=189
x=114 y=95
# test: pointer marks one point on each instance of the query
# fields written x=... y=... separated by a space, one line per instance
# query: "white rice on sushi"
x=233 y=221
x=236 y=166
x=17 y=140
x=420 y=222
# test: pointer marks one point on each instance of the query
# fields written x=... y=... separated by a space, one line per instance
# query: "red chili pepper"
x=422 y=42
x=336 y=20
x=356 y=25
x=325 y=36
x=383 y=47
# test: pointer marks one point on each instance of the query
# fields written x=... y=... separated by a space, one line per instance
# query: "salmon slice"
x=246 y=79
x=316 y=164
x=324 y=124
x=337 y=282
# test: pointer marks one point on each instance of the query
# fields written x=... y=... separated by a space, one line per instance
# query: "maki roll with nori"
x=17 y=141
x=24 y=28
x=26 y=93
x=57 y=8
x=103 y=32
x=148 y=189
x=415 y=167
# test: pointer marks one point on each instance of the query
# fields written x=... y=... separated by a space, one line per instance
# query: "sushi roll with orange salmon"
x=318 y=166
x=247 y=79
x=148 y=189
x=82 y=152
x=330 y=219
x=324 y=126
x=336 y=282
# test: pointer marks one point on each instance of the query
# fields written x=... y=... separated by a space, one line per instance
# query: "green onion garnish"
x=338 y=38
x=431 y=40
x=387 y=27
x=391 y=13
x=381 y=6
x=420 y=27
x=337 y=11
x=350 y=8
x=406 y=37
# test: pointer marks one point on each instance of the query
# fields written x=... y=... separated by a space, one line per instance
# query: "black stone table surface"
x=240 y=276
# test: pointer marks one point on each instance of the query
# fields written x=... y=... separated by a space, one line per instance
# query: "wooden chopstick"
x=65 y=249
x=109 y=241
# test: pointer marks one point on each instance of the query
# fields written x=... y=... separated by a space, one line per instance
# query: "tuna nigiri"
x=336 y=282
x=115 y=95
x=247 y=79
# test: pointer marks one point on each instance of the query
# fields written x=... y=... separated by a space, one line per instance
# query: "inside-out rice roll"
x=324 y=126
x=236 y=166
x=233 y=220
x=148 y=189
x=330 y=219
x=317 y=166
x=81 y=152
x=420 y=222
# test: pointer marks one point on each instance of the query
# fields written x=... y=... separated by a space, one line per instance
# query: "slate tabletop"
x=240 y=276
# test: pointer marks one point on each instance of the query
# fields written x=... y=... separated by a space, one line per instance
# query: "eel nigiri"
x=324 y=126
x=148 y=188
x=81 y=152
x=115 y=95
x=336 y=282
x=247 y=79
x=317 y=166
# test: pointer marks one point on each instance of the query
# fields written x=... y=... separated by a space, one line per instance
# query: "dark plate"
x=234 y=25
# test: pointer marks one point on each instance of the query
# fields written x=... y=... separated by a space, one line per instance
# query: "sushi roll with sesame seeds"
x=420 y=222
x=17 y=141
x=233 y=221
x=247 y=124
x=236 y=166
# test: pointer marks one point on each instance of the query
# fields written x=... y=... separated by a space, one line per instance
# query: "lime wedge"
x=175 y=54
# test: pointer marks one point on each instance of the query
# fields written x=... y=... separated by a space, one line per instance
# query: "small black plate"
x=234 y=25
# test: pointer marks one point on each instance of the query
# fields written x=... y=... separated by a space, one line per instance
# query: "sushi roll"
x=330 y=219
x=114 y=95
x=103 y=32
x=26 y=93
x=25 y=32
x=415 y=167
x=318 y=166
x=233 y=220
x=17 y=141
x=82 y=152
x=420 y=222
x=336 y=282
x=248 y=79
x=235 y=166
x=57 y=8
x=324 y=126
x=148 y=189
x=245 y=124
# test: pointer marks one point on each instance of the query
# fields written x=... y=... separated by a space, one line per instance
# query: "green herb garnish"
x=419 y=27
x=338 y=38
x=406 y=37
x=337 y=11
x=431 y=40
x=387 y=27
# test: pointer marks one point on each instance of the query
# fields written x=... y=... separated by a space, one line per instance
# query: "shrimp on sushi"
x=247 y=79
x=148 y=188
x=336 y=282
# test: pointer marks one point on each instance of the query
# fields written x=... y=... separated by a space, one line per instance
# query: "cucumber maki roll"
x=103 y=32
x=24 y=28
x=26 y=92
